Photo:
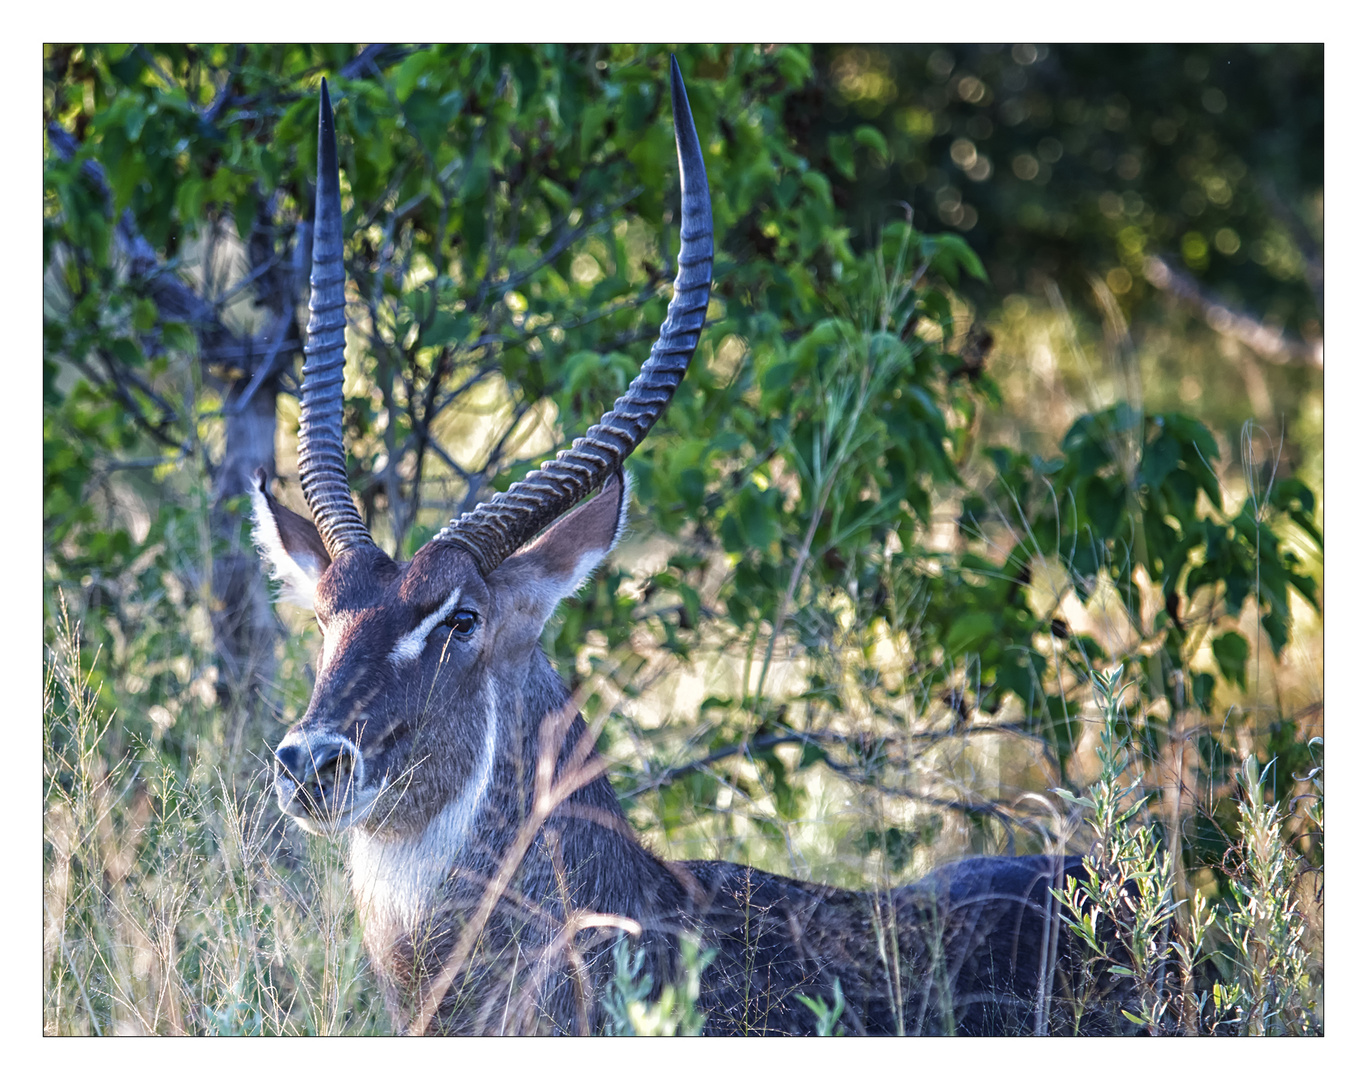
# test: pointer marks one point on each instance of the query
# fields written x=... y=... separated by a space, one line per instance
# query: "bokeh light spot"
x=939 y=65
x=1025 y=166
x=1118 y=280
x=972 y=89
x=1193 y=203
x=1164 y=130
x=1195 y=250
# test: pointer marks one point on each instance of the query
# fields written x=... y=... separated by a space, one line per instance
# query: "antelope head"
x=420 y=659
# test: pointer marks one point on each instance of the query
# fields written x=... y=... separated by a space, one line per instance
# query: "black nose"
x=299 y=761
x=315 y=775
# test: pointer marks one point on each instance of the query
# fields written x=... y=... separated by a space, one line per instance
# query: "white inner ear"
x=588 y=562
x=409 y=647
x=297 y=576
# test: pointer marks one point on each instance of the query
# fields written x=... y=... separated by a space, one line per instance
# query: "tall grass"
x=173 y=902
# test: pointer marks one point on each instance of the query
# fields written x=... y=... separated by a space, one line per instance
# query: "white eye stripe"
x=409 y=647
x=338 y=627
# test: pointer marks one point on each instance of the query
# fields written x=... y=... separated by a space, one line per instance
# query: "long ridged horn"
x=322 y=452
x=495 y=529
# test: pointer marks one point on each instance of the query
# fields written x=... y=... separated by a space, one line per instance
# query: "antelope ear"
x=290 y=544
x=561 y=559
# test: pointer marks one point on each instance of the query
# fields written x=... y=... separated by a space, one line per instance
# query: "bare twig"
x=1268 y=342
x=376 y=58
x=268 y=364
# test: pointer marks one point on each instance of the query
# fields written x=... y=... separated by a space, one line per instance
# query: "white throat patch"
x=395 y=881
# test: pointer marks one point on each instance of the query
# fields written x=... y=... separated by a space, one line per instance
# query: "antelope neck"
x=395 y=881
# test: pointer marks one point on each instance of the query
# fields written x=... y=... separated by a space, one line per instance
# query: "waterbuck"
x=498 y=881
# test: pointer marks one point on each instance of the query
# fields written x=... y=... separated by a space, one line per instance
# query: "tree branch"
x=376 y=58
x=175 y=301
x=1266 y=341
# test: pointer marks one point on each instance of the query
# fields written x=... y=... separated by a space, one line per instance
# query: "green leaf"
x=756 y=517
x=794 y=65
x=558 y=195
x=1103 y=503
x=841 y=149
x=446 y=328
x=951 y=253
x=1160 y=458
x=410 y=72
x=1202 y=689
x=867 y=135
x=818 y=185
x=827 y=332
x=126 y=351
x=144 y=315
x=967 y=633
x=1231 y=654
x=134 y=117
x=591 y=126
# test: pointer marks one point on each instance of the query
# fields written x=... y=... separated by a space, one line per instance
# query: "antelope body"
x=493 y=868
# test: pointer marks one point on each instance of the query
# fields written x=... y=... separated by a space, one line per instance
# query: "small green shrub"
x=1134 y=926
x=633 y=1009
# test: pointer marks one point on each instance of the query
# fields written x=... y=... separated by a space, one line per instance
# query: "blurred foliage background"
x=1013 y=373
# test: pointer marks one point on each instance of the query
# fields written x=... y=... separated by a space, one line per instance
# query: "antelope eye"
x=462 y=622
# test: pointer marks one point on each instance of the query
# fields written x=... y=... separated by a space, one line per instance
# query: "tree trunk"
x=244 y=623
x=246 y=628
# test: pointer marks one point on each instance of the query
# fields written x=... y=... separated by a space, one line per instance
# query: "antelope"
x=495 y=874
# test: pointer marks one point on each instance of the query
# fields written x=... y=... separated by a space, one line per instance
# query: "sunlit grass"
x=173 y=901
